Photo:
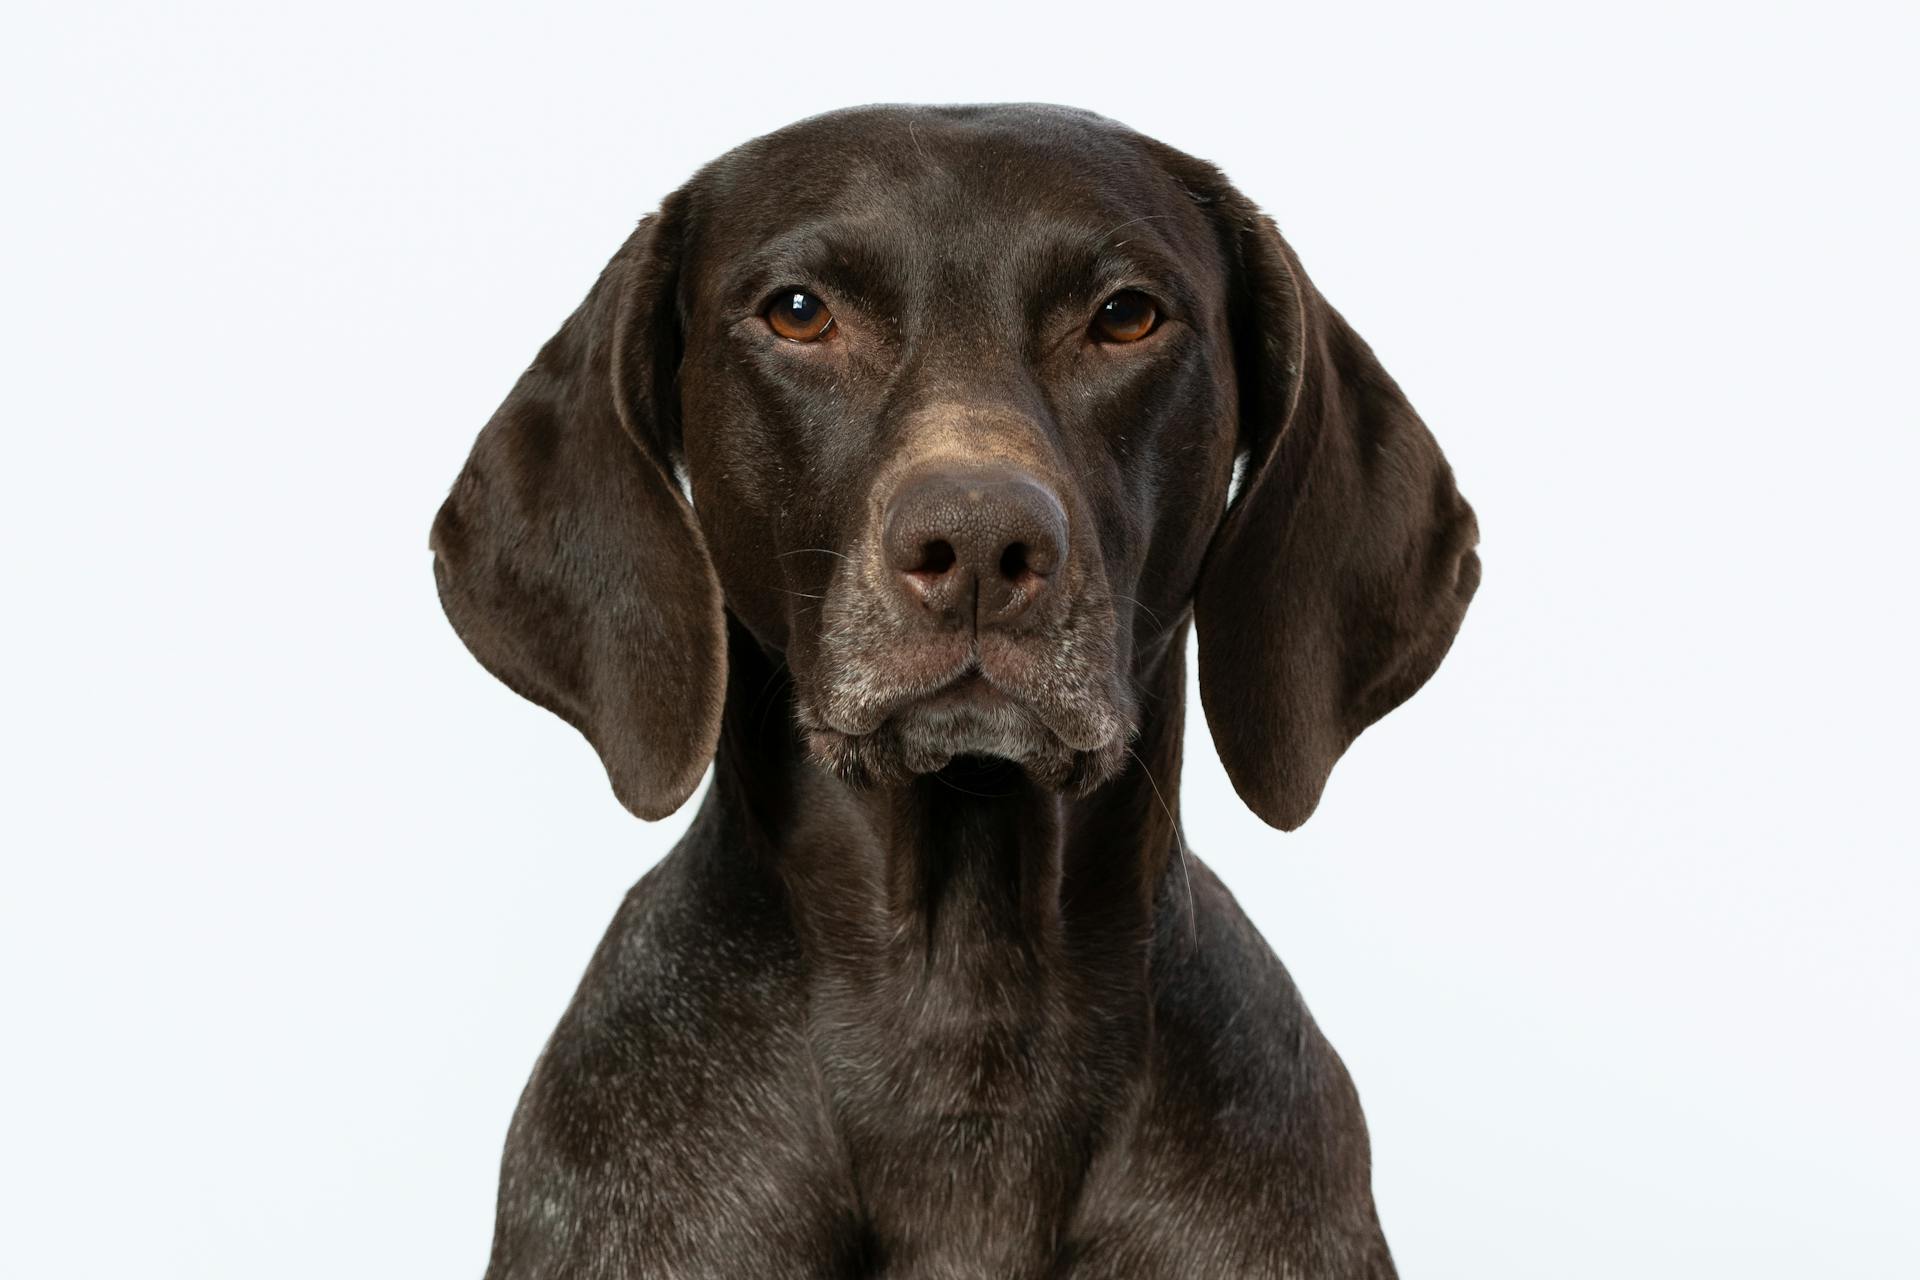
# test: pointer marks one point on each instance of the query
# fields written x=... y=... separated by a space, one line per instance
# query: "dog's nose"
x=974 y=547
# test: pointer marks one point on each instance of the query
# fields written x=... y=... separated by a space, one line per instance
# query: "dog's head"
x=959 y=396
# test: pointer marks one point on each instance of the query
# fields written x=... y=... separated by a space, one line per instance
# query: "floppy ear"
x=566 y=557
x=1344 y=565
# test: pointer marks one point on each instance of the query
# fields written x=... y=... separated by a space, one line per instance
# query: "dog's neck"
x=977 y=951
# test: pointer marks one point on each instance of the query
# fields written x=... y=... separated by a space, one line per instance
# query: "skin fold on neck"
x=977 y=952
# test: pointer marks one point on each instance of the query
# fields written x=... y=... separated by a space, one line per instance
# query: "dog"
x=884 y=471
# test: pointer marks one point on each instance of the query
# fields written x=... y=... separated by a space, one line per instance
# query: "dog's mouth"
x=898 y=687
x=1072 y=743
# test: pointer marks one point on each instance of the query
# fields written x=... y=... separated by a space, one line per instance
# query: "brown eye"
x=1125 y=317
x=799 y=317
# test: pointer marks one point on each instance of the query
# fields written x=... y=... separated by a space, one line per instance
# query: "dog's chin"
x=971 y=721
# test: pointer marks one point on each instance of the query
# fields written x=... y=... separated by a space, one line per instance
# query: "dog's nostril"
x=1013 y=562
x=935 y=558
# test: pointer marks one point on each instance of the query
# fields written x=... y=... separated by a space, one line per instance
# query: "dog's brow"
x=842 y=259
x=1085 y=265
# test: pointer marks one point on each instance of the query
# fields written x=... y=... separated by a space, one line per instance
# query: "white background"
x=1614 y=923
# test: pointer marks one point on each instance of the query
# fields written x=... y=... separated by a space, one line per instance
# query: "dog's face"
x=958 y=395
x=959 y=423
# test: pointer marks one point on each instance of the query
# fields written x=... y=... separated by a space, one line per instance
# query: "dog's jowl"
x=885 y=470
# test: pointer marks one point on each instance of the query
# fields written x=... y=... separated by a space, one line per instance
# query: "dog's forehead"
x=940 y=171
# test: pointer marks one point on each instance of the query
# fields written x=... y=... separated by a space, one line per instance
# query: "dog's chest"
x=970 y=1097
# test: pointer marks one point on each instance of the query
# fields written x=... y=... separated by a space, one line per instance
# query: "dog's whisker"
x=940 y=777
x=1145 y=217
x=1193 y=923
x=1141 y=607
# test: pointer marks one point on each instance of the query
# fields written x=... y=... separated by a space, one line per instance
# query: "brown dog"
x=959 y=397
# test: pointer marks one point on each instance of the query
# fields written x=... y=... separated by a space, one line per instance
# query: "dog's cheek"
x=740 y=551
x=740 y=484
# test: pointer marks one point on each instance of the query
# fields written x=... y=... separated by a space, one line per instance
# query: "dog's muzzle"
x=968 y=627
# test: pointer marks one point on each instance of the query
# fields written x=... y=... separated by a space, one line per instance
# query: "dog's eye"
x=799 y=317
x=1127 y=316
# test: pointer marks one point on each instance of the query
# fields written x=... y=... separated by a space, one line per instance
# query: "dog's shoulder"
x=1248 y=1153
x=677 y=1093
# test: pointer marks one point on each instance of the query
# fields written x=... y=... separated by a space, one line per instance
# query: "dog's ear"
x=566 y=556
x=1344 y=563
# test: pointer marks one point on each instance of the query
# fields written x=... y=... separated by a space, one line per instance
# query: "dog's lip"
x=966 y=681
x=972 y=687
x=969 y=686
